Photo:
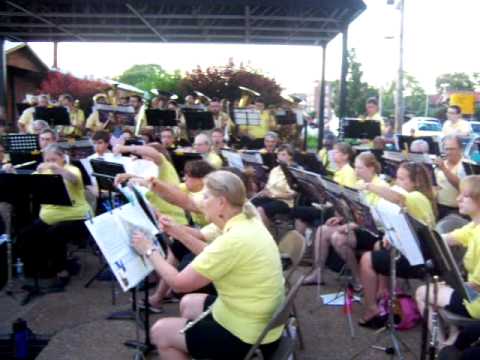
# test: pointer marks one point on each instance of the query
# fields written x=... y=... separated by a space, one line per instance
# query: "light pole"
x=399 y=101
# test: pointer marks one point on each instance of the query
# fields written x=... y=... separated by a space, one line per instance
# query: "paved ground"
x=76 y=321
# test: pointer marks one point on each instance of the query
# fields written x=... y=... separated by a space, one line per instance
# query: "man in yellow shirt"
x=77 y=118
x=221 y=119
x=267 y=123
x=25 y=121
x=455 y=125
x=203 y=145
x=448 y=174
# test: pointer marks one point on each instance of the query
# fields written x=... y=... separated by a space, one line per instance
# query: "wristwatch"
x=150 y=251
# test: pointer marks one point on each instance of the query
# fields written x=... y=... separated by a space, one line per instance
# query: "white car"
x=422 y=126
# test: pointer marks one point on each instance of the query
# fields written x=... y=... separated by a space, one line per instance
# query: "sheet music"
x=399 y=231
x=252 y=157
x=234 y=159
x=141 y=167
x=247 y=116
x=113 y=232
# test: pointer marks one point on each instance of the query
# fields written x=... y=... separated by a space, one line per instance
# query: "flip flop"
x=153 y=309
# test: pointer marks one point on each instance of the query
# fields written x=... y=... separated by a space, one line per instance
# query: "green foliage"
x=358 y=91
x=151 y=76
x=457 y=82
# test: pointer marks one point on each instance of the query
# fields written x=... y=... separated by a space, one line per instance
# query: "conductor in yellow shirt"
x=455 y=125
x=243 y=264
x=373 y=113
x=45 y=240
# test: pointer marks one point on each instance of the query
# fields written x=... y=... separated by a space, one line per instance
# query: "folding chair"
x=281 y=317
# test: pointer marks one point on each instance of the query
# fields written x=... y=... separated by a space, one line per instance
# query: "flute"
x=191 y=324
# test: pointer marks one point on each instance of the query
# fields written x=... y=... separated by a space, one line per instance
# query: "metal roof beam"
x=41 y=18
x=175 y=16
x=145 y=21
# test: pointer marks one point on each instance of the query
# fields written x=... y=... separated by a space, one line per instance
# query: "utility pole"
x=399 y=101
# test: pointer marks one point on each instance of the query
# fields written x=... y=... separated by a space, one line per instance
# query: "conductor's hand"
x=336 y=220
x=167 y=224
x=141 y=243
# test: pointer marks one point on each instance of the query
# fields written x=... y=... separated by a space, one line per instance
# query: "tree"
x=224 y=82
x=151 y=76
x=455 y=82
x=358 y=91
x=415 y=96
x=58 y=83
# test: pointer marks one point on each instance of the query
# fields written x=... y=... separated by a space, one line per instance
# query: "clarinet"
x=435 y=324
x=191 y=324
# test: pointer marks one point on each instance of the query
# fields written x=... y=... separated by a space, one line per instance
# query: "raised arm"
x=142 y=151
x=386 y=193
x=173 y=195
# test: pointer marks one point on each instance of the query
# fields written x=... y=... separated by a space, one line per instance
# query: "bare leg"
x=192 y=305
x=170 y=343
x=321 y=248
x=344 y=245
x=370 y=284
x=162 y=288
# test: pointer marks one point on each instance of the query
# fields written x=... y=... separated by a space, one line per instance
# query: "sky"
x=440 y=37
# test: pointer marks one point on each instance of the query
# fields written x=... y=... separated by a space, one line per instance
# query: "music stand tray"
x=356 y=129
x=199 y=120
x=55 y=116
x=105 y=172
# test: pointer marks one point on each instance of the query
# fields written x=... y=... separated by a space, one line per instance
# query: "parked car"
x=475 y=127
x=422 y=126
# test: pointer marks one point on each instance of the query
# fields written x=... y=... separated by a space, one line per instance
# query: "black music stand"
x=42 y=189
x=198 y=121
x=286 y=117
x=356 y=129
x=161 y=118
x=179 y=159
x=471 y=168
x=404 y=142
x=55 y=116
x=310 y=162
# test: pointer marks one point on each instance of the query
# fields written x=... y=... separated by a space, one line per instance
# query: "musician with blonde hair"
x=243 y=264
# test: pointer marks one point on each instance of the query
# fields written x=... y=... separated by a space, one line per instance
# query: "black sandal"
x=376 y=322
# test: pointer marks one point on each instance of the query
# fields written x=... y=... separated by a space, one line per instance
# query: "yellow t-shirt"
x=27 y=119
x=372 y=199
x=461 y=128
x=198 y=218
x=93 y=122
x=167 y=174
x=419 y=207
x=469 y=237
x=345 y=176
x=277 y=185
x=77 y=120
x=447 y=193
x=214 y=160
x=52 y=214
x=327 y=162
x=267 y=122
x=244 y=265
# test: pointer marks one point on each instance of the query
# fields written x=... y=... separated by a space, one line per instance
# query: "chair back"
x=450 y=223
x=293 y=245
x=279 y=318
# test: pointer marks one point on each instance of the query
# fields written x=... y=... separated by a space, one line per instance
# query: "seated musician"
x=38 y=126
x=221 y=119
x=448 y=173
x=47 y=137
x=267 y=123
x=77 y=118
x=419 y=146
x=325 y=154
x=167 y=138
x=419 y=203
x=46 y=238
x=277 y=197
x=244 y=266
x=218 y=140
x=203 y=145
x=270 y=143
x=26 y=119
x=101 y=142
x=345 y=238
x=93 y=122
x=469 y=237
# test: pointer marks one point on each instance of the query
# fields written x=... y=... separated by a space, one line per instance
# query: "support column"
x=3 y=80
x=343 y=76
x=321 y=107
x=55 y=55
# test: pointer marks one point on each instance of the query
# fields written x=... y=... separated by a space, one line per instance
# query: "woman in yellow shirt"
x=46 y=238
x=244 y=266
x=345 y=176
x=419 y=203
x=469 y=237
x=277 y=197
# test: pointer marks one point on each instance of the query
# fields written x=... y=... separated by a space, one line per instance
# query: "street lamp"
x=399 y=101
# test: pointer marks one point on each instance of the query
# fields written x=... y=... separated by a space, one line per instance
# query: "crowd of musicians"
x=221 y=220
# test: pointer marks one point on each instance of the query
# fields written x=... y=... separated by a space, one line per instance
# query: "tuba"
x=247 y=98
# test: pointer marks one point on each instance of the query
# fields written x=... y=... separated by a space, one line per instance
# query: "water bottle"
x=19 y=268
x=20 y=333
